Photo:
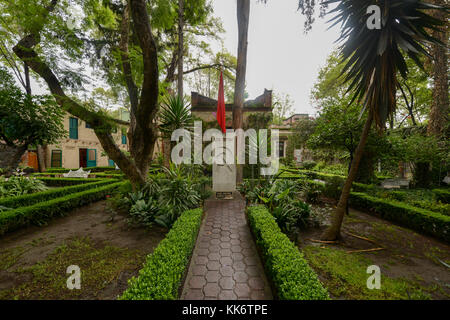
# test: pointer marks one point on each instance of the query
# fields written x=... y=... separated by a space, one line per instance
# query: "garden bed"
x=412 y=265
x=33 y=260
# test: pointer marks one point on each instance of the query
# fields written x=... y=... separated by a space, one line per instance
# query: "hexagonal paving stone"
x=226 y=261
x=242 y=290
x=194 y=294
x=212 y=276
x=226 y=283
x=214 y=256
x=213 y=265
x=240 y=276
x=238 y=265
x=199 y=270
x=197 y=282
x=226 y=271
x=227 y=295
x=256 y=283
x=211 y=290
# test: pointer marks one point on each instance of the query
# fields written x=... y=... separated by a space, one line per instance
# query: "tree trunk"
x=40 y=151
x=180 y=46
x=440 y=105
x=166 y=152
x=333 y=231
x=10 y=156
x=243 y=13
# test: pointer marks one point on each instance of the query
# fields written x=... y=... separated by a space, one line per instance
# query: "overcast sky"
x=280 y=56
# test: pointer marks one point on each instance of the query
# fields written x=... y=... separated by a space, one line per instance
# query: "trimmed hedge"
x=92 y=169
x=418 y=219
x=164 y=269
x=291 y=275
x=65 y=182
x=92 y=175
x=41 y=212
x=442 y=195
x=30 y=199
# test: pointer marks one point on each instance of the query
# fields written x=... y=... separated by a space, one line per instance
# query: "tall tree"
x=373 y=59
x=440 y=107
x=243 y=14
x=143 y=129
x=25 y=120
x=180 y=46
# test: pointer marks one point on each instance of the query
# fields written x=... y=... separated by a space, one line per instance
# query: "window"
x=56 y=161
x=124 y=138
x=281 y=149
x=88 y=126
x=73 y=128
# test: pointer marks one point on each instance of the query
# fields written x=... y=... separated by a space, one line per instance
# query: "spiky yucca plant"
x=373 y=60
x=175 y=114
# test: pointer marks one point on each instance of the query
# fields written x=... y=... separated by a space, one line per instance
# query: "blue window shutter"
x=124 y=139
x=73 y=128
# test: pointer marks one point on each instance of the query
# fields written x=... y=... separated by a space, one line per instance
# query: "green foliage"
x=18 y=185
x=40 y=213
x=64 y=182
x=418 y=219
x=27 y=120
x=282 y=107
x=165 y=267
x=374 y=57
x=92 y=169
x=166 y=195
x=30 y=199
x=174 y=114
x=292 y=277
x=143 y=213
x=442 y=195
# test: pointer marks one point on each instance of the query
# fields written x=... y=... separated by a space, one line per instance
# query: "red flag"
x=221 y=106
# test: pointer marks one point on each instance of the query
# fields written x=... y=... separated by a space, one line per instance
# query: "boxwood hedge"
x=64 y=182
x=442 y=195
x=291 y=275
x=164 y=269
x=418 y=219
x=30 y=199
x=92 y=169
x=41 y=212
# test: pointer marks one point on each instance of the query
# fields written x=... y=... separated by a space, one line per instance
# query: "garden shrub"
x=284 y=263
x=92 y=169
x=421 y=220
x=17 y=185
x=30 y=199
x=161 y=276
x=442 y=195
x=65 y=182
x=41 y=212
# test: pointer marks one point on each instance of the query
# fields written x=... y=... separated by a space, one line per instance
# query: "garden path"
x=225 y=264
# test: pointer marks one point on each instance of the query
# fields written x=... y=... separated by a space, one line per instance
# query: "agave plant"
x=373 y=60
x=175 y=114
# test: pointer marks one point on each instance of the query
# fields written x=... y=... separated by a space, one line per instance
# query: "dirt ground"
x=33 y=261
x=421 y=262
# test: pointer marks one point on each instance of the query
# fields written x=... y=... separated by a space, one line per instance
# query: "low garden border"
x=421 y=220
x=291 y=275
x=65 y=182
x=161 y=276
x=30 y=199
x=41 y=212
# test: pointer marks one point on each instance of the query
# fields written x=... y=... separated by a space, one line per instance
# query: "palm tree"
x=373 y=59
x=174 y=114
